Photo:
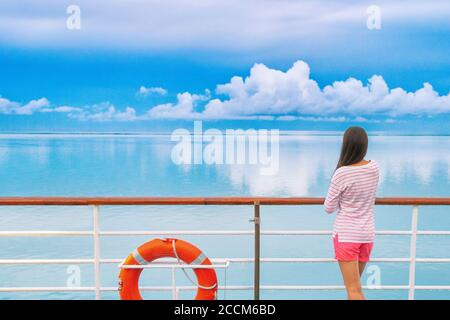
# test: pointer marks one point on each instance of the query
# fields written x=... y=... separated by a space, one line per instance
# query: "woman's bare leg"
x=351 y=274
x=362 y=266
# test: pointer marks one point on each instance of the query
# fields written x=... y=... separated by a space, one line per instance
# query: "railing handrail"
x=110 y=201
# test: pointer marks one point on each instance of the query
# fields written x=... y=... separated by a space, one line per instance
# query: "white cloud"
x=62 y=109
x=11 y=107
x=145 y=91
x=7 y=106
x=175 y=24
x=104 y=112
x=270 y=94
x=184 y=108
x=41 y=105
x=293 y=95
x=65 y=109
x=315 y=119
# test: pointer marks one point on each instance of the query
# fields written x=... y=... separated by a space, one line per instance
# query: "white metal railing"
x=96 y=261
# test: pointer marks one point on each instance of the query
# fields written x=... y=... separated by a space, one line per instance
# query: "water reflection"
x=306 y=166
x=3 y=154
x=141 y=165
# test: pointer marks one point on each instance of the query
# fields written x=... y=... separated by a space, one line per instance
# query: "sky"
x=155 y=65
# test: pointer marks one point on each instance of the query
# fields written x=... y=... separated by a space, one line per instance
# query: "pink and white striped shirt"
x=352 y=192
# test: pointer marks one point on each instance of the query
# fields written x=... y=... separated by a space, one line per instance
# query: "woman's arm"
x=332 y=199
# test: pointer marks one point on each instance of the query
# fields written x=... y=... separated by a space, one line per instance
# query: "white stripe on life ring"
x=137 y=256
x=199 y=260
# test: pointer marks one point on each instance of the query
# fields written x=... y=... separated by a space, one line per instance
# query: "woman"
x=352 y=193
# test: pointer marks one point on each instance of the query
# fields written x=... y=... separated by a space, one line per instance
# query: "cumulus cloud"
x=269 y=94
x=98 y=112
x=145 y=91
x=12 y=107
x=183 y=108
x=41 y=105
x=293 y=95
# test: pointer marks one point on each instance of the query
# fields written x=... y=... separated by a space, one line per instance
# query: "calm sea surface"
x=123 y=165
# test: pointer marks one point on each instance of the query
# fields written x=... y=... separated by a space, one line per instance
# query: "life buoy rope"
x=202 y=257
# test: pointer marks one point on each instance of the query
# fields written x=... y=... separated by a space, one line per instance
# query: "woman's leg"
x=364 y=254
x=350 y=273
x=362 y=266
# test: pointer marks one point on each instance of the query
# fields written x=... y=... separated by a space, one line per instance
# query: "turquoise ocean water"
x=140 y=165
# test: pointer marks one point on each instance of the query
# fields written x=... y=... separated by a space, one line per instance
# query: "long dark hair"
x=354 y=146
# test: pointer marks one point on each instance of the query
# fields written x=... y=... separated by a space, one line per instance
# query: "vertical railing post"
x=413 y=252
x=96 y=234
x=174 y=285
x=257 y=262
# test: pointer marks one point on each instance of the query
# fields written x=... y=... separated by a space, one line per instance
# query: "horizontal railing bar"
x=189 y=288
x=46 y=289
x=33 y=233
x=433 y=233
x=433 y=260
x=177 y=232
x=250 y=232
x=83 y=201
x=45 y=261
x=305 y=287
x=168 y=263
x=174 y=266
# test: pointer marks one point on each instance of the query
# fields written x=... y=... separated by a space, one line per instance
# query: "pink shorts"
x=350 y=251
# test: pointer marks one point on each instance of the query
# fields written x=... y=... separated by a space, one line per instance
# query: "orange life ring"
x=164 y=248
